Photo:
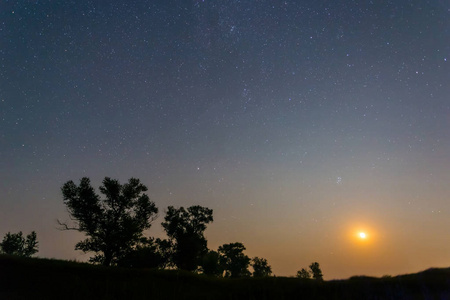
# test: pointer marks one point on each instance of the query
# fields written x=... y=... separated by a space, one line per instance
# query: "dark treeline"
x=17 y=244
x=114 y=222
x=114 y=226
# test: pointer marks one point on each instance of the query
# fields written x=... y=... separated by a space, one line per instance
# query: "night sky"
x=300 y=123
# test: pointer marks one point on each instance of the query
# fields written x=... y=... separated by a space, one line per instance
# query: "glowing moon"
x=362 y=235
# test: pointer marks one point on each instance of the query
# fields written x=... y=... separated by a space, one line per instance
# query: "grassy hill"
x=54 y=279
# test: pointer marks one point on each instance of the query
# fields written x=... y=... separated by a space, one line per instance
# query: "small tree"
x=233 y=260
x=303 y=274
x=16 y=244
x=211 y=265
x=316 y=271
x=261 y=267
x=114 y=225
x=185 y=228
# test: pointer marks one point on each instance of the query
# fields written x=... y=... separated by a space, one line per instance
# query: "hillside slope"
x=53 y=279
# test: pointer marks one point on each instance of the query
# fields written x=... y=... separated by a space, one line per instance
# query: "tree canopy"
x=115 y=223
x=261 y=267
x=210 y=264
x=304 y=274
x=233 y=260
x=185 y=227
x=316 y=271
x=17 y=244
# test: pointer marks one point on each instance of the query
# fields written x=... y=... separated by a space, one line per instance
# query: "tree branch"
x=64 y=226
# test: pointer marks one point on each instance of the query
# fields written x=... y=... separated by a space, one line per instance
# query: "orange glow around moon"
x=363 y=234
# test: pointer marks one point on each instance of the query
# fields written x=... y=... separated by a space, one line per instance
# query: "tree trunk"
x=108 y=259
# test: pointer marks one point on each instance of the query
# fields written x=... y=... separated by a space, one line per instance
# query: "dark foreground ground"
x=54 y=279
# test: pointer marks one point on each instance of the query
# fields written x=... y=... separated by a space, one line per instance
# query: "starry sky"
x=300 y=123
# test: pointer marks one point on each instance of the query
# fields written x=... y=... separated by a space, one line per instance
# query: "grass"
x=36 y=278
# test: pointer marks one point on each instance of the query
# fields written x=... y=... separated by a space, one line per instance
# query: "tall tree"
x=114 y=224
x=233 y=260
x=17 y=244
x=185 y=227
x=316 y=271
x=261 y=267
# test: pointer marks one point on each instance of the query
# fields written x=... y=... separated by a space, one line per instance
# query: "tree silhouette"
x=114 y=224
x=303 y=273
x=148 y=253
x=17 y=244
x=233 y=260
x=261 y=267
x=185 y=229
x=316 y=271
x=211 y=265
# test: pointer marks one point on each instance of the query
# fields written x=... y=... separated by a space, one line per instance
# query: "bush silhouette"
x=148 y=253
